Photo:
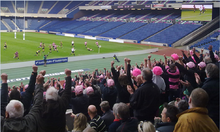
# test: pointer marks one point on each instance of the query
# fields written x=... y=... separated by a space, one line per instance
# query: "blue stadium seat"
x=33 y=6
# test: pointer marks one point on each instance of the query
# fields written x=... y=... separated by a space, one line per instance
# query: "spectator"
x=117 y=121
x=80 y=123
x=211 y=86
x=14 y=120
x=96 y=122
x=52 y=116
x=109 y=93
x=145 y=98
x=146 y=127
x=182 y=105
x=128 y=124
x=196 y=118
x=169 y=119
x=81 y=102
x=108 y=116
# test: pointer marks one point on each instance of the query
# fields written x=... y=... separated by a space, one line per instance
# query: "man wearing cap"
x=81 y=102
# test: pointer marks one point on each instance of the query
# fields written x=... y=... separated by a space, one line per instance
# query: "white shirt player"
x=73 y=49
x=200 y=8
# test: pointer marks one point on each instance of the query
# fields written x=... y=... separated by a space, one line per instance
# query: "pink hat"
x=190 y=64
x=202 y=64
x=175 y=56
x=79 y=89
x=190 y=52
x=26 y=86
x=101 y=76
x=89 y=90
x=136 y=72
x=110 y=82
x=157 y=70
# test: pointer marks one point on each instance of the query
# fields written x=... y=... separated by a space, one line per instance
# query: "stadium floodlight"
x=99 y=48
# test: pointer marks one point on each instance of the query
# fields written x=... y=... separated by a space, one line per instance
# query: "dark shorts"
x=72 y=44
x=55 y=48
x=72 y=51
x=42 y=48
x=5 y=46
x=50 y=49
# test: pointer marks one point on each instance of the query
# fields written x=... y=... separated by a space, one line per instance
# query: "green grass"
x=27 y=48
x=190 y=15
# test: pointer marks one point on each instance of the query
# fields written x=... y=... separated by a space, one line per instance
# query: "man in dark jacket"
x=211 y=86
x=108 y=116
x=145 y=100
x=52 y=117
x=15 y=122
x=169 y=119
x=129 y=124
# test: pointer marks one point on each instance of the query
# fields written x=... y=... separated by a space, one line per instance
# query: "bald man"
x=196 y=118
x=96 y=121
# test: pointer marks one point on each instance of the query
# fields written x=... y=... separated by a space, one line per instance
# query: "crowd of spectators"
x=178 y=94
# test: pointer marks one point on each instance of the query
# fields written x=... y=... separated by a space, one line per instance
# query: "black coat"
x=130 y=125
x=165 y=127
x=80 y=104
x=27 y=123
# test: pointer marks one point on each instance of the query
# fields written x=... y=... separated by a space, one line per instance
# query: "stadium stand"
x=58 y=7
x=9 y=5
x=33 y=6
x=3 y=26
x=8 y=21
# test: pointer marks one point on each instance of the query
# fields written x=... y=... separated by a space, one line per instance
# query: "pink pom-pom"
x=157 y=70
x=202 y=64
x=175 y=56
x=190 y=64
x=26 y=86
x=110 y=82
x=136 y=72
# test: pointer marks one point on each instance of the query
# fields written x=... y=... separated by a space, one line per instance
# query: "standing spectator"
x=196 y=118
x=52 y=116
x=129 y=124
x=211 y=86
x=108 y=116
x=145 y=98
x=14 y=120
x=169 y=119
x=117 y=121
x=96 y=122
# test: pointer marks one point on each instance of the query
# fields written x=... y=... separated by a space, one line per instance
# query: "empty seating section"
x=33 y=6
x=173 y=33
x=145 y=31
x=48 y=4
x=103 y=28
x=3 y=26
x=8 y=21
x=49 y=24
x=19 y=22
x=73 y=25
x=72 y=4
x=59 y=25
x=19 y=4
x=36 y=24
x=58 y=7
x=123 y=29
x=9 y=5
x=87 y=27
x=210 y=40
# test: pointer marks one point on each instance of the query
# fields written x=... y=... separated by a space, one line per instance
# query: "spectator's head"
x=139 y=79
x=172 y=67
x=198 y=98
x=14 y=109
x=115 y=110
x=92 y=111
x=202 y=65
x=207 y=60
x=110 y=83
x=89 y=91
x=147 y=74
x=146 y=127
x=157 y=70
x=104 y=106
x=123 y=111
x=212 y=71
x=78 y=90
x=136 y=72
x=15 y=94
x=182 y=105
x=80 y=122
x=52 y=94
x=26 y=86
x=123 y=80
x=175 y=56
x=190 y=65
x=169 y=113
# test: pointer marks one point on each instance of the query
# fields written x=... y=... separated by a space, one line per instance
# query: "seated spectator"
x=81 y=102
x=182 y=105
x=52 y=116
x=117 y=121
x=108 y=116
x=109 y=93
x=14 y=120
x=169 y=119
x=196 y=118
x=96 y=122
x=146 y=127
x=129 y=124
x=80 y=124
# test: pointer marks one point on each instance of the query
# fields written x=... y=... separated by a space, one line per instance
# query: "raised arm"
x=4 y=93
x=211 y=54
x=125 y=64
x=129 y=73
x=145 y=63
x=149 y=62
x=67 y=92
